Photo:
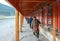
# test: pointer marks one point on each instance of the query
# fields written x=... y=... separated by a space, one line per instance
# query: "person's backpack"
x=37 y=22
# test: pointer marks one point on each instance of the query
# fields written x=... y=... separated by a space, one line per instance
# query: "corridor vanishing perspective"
x=15 y=20
x=27 y=34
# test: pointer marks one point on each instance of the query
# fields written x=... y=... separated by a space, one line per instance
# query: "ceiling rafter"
x=37 y=0
x=28 y=6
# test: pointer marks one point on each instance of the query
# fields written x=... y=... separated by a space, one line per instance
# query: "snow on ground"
x=7 y=31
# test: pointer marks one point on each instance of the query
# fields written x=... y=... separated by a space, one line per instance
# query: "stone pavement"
x=7 y=31
x=27 y=34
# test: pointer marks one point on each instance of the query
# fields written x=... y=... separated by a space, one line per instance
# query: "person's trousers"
x=36 y=34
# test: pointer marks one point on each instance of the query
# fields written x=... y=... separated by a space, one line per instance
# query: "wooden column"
x=43 y=22
x=21 y=22
x=46 y=15
x=54 y=22
x=54 y=28
x=17 y=25
x=39 y=15
x=58 y=17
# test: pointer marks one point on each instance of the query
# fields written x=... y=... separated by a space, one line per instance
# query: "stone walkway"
x=27 y=34
x=7 y=31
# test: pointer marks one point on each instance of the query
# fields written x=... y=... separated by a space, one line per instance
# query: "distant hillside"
x=6 y=10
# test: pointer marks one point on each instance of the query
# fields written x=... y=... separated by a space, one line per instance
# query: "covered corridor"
x=9 y=33
x=46 y=11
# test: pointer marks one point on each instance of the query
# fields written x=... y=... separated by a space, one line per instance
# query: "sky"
x=5 y=3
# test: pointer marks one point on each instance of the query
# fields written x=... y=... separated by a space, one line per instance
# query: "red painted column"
x=58 y=16
x=43 y=15
x=39 y=15
x=40 y=12
x=46 y=16
x=49 y=16
x=55 y=20
x=55 y=11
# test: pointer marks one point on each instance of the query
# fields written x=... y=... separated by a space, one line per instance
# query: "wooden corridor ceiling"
x=26 y=7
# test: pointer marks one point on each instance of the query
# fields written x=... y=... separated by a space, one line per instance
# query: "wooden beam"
x=21 y=22
x=36 y=5
x=17 y=25
x=31 y=9
x=37 y=0
x=27 y=9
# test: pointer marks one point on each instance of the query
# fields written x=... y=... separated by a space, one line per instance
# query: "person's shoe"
x=38 y=39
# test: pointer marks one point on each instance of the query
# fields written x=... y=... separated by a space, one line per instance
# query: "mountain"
x=6 y=10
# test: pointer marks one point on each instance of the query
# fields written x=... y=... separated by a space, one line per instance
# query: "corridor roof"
x=26 y=7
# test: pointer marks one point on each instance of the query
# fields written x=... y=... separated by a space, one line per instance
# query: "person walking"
x=35 y=25
x=30 y=21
